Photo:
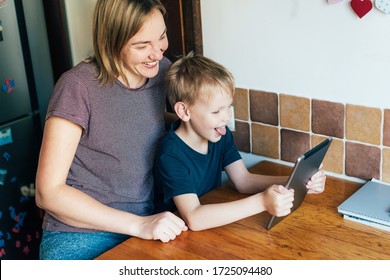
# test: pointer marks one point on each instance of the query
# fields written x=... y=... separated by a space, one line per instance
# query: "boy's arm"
x=249 y=183
x=200 y=217
x=276 y=199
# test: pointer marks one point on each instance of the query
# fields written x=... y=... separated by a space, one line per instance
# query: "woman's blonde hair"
x=194 y=75
x=115 y=22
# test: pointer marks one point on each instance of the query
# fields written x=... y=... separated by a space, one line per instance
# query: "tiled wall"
x=281 y=126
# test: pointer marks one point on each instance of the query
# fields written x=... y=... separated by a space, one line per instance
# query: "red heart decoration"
x=361 y=7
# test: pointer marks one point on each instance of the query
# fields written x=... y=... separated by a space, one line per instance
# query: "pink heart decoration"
x=361 y=7
x=334 y=1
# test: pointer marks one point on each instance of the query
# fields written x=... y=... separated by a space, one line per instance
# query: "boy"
x=199 y=146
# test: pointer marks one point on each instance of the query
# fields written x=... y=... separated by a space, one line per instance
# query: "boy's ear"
x=182 y=112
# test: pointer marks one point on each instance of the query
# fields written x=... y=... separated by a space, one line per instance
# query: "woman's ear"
x=182 y=112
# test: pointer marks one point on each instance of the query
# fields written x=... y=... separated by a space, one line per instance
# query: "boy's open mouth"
x=221 y=130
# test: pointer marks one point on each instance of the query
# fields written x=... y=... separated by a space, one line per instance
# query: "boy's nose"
x=228 y=115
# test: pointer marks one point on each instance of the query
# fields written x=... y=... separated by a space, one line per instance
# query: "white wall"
x=79 y=17
x=306 y=48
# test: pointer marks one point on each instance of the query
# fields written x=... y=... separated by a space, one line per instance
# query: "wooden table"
x=314 y=231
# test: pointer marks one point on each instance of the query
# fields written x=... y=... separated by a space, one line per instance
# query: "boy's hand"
x=162 y=226
x=278 y=200
x=317 y=183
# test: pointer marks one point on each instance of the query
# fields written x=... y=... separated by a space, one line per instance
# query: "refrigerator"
x=20 y=138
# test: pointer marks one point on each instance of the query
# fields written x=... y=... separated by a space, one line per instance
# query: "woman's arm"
x=75 y=208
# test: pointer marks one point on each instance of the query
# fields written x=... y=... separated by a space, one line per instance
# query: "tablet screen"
x=305 y=167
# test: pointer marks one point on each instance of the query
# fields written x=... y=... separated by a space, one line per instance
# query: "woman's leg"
x=77 y=245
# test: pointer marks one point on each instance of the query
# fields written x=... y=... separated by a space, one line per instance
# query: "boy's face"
x=209 y=115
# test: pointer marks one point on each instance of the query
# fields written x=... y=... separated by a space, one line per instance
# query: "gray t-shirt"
x=121 y=127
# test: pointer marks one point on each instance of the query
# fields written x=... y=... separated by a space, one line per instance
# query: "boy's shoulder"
x=169 y=143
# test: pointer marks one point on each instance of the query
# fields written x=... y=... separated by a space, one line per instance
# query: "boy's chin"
x=215 y=139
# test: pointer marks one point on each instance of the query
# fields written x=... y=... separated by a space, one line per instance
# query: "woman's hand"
x=162 y=226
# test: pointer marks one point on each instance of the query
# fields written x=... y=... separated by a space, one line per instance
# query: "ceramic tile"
x=265 y=140
x=242 y=136
x=386 y=128
x=334 y=159
x=328 y=118
x=264 y=107
x=295 y=112
x=362 y=161
x=386 y=165
x=363 y=124
x=293 y=144
x=241 y=104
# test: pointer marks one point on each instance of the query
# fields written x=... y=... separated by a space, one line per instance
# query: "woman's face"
x=142 y=53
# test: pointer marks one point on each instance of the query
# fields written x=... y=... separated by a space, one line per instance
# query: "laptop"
x=305 y=167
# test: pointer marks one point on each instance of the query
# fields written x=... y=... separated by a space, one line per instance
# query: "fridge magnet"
x=3 y=174
x=334 y=1
x=9 y=85
x=6 y=156
x=5 y=136
x=361 y=7
x=12 y=212
x=383 y=5
x=28 y=191
x=26 y=250
x=3 y=3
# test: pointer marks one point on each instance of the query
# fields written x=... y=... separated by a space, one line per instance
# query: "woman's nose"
x=157 y=53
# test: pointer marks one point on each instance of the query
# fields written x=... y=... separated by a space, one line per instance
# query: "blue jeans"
x=77 y=245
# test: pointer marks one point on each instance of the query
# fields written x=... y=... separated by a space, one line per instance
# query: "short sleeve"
x=173 y=176
x=70 y=100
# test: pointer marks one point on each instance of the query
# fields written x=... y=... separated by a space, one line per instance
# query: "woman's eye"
x=141 y=47
x=163 y=36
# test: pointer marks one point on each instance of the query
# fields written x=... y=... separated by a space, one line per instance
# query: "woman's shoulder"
x=164 y=65
x=165 y=62
x=83 y=70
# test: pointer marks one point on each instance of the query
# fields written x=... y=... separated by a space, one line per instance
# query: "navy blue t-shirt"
x=180 y=170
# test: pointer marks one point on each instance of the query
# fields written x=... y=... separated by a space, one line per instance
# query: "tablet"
x=305 y=167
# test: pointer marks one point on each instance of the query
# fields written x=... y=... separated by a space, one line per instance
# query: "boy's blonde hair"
x=194 y=75
x=115 y=23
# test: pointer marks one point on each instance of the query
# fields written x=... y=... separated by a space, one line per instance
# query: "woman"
x=94 y=177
